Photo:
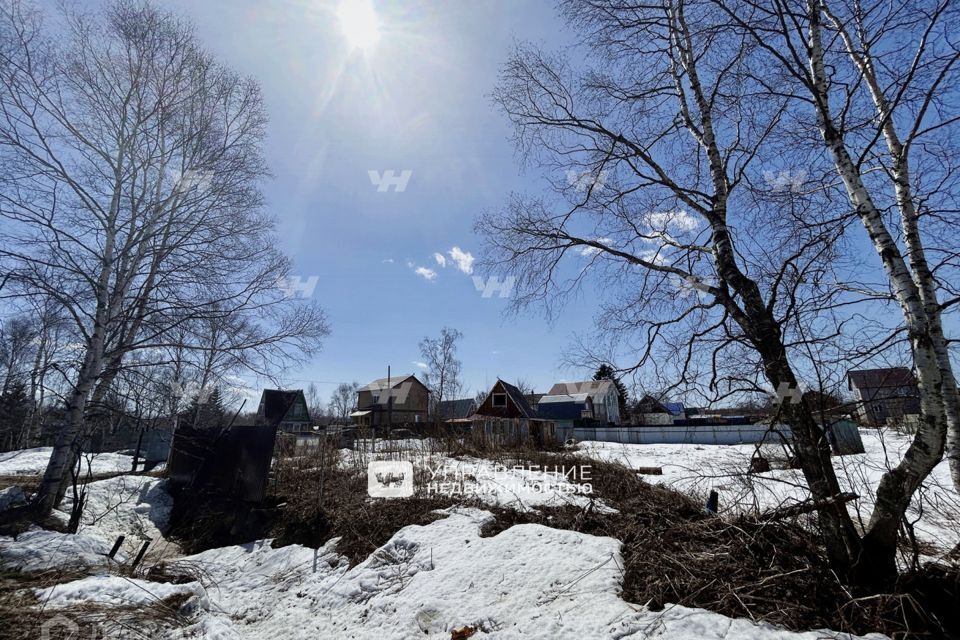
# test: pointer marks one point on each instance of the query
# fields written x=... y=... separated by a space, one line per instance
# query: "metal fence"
x=844 y=435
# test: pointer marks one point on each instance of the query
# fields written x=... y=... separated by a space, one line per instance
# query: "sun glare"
x=358 y=20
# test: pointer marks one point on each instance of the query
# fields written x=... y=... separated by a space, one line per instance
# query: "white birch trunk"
x=916 y=254
x=926 y=450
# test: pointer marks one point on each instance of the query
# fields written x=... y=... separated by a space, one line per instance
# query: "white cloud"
x=441 y=260
x=422 y=365
x=387 y=261
x=654 y=256
x=425 y=273
x=678 y=221
x=589 y=251
x=463 y=259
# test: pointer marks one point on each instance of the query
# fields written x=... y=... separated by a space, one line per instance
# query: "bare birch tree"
x=129 y=192
x=671 y=190
x=887 y=119
x=442 y=375
x=342 y=401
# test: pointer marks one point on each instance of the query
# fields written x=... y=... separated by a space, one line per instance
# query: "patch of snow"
x=11 y=497
x=137 y=507
x=31 y=462
x=115 y=590
x=529 y=581
x=39 y=550
x=696 y=469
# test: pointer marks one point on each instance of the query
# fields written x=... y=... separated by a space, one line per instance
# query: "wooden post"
x=143 y=550
x=713 y=503
x=116 y=547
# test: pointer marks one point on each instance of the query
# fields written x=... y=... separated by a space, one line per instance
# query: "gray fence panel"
x=845 y=435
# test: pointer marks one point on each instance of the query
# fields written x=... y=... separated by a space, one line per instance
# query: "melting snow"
x=34 y=462
x=696 y=469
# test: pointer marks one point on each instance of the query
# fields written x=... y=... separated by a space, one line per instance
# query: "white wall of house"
x=606 y=406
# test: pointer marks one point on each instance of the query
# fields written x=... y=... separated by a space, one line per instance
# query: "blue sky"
x=416 y=101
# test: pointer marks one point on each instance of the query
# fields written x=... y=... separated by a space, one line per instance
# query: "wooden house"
x=397 y=400
x=884 y=394
x=603 y=396
x=286 y=410
x=567 y=411
x=506 y=417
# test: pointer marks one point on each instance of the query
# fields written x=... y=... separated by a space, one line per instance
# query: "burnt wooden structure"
x=234 y=462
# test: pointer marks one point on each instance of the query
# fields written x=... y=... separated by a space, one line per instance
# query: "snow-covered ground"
x=39 y=550
x=529 y=581
x=696 y=469
x=29 y=462
x=136 y=507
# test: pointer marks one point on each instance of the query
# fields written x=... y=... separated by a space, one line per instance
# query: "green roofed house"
x=287 y=410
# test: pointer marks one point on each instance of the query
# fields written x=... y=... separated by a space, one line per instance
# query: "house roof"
x=519 y=400
x=534 y=398
x=676 y=408
x=593 y=387
x=394 y=382
x=880 y=378
x=275 y=403
x=649 y=404
x=456 y=408
x=574 y=397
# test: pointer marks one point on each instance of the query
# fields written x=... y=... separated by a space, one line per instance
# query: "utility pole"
x=389 y=403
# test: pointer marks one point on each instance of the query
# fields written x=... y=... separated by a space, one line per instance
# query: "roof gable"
x=880 y=378
x=394 y=382
x=593 y=387
x=517 y=405
x=276 y=404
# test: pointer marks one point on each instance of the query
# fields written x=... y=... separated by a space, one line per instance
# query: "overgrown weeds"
x=673 y=551
x=771 y=571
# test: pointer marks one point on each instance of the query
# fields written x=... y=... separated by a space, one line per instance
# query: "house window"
x=500 y=400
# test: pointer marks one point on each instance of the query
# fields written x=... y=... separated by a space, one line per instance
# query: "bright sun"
x=359 y=23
